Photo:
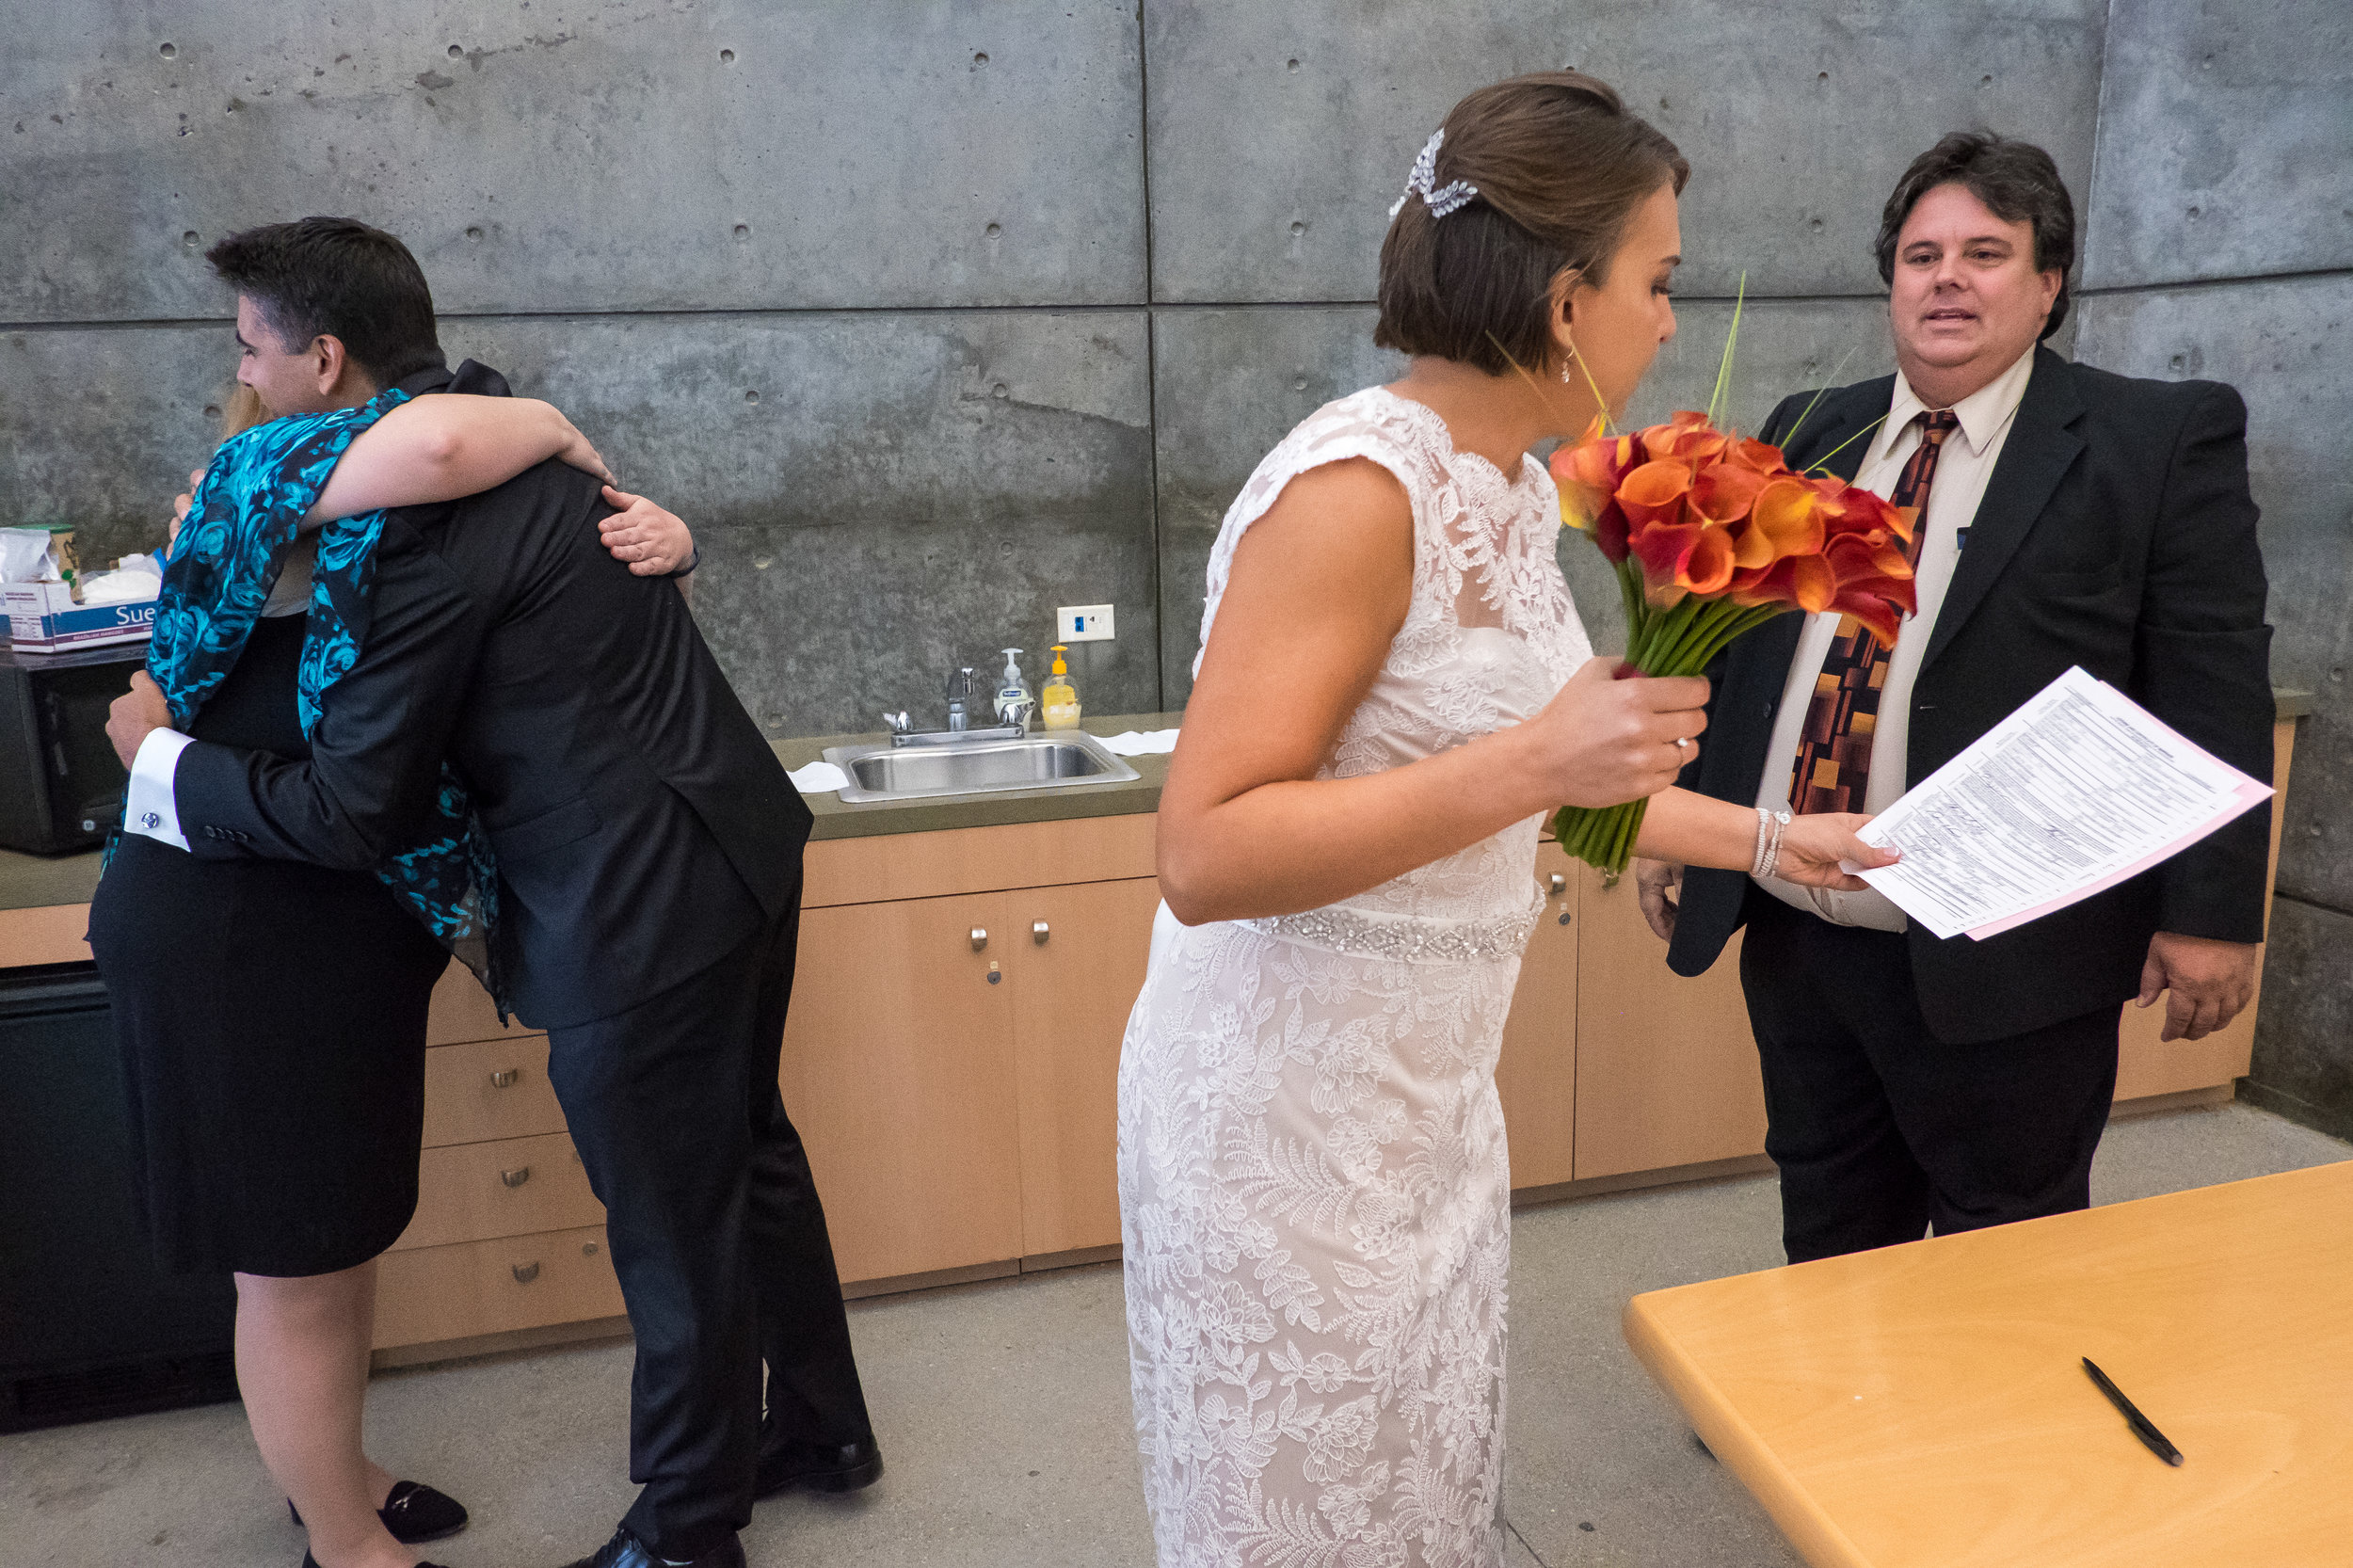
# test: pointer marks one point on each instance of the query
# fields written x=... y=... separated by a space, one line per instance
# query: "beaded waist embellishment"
x=1403 y=939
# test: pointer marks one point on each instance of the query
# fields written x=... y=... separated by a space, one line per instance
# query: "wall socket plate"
x=1084 y=623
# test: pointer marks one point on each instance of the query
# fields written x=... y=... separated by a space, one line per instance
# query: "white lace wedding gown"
x=1314 y=1192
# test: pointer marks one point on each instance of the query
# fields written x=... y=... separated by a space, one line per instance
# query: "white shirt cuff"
x=149 y=806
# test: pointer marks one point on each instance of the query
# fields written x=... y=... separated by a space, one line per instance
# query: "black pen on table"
x=2142 y=1427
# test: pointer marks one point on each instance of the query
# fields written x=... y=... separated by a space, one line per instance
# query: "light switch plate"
x=1084 y=623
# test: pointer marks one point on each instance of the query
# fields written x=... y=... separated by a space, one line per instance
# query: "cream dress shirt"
x=1962 y=471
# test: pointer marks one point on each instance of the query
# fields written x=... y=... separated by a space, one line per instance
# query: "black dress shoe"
x=626 y=1551
x=414 y=1512
x=819 y=1467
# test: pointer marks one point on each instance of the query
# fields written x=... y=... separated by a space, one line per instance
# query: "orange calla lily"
x=1724 y=492
x=1785 y=520
x=1757 y=455
x=1652 y=495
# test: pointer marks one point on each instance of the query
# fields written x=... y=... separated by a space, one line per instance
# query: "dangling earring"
x=1566 y=379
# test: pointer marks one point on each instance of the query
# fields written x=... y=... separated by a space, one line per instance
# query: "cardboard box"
x=43 y=618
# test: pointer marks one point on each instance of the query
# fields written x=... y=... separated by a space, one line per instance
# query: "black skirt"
x=271 y=1018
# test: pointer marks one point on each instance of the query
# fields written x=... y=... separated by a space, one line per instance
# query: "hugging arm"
x=449 y=445
x=375 y=751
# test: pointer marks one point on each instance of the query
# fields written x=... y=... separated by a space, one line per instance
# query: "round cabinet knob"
x=504 y=1079
x=980 y=938
x=1560 y=885
x=1040 y=932
x=526 y=1273
x=517 y=1176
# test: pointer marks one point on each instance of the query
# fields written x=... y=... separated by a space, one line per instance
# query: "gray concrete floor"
x=1002 y=1409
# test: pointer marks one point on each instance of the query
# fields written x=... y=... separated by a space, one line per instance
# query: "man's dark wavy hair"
x=337 y=276
x=2017 y=182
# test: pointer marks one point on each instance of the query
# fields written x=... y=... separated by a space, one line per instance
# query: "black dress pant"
x=717 y=1236
x=1882 y=1130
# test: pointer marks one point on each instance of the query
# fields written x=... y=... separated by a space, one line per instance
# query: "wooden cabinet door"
x=1666 y=1067
x=898 y=1070
x=1074 y=984
x=1537 y=1074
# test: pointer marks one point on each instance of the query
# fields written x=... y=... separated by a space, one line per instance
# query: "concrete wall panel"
x=599 y=156
x=2284 y=346
x=1230 y=385
x=2226 y=141
x=2302 y=1067
x=99 y=427
x=877 y=496
x=1281 y=134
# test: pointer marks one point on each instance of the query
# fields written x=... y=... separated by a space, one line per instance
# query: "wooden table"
x=1924 y=1406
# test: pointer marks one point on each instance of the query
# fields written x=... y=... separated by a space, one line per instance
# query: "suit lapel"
x=2035 y=458
x=1841 y=429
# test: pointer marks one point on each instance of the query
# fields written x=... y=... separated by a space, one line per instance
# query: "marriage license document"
x=2070 y=796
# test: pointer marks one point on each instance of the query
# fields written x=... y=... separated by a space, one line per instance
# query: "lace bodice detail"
x=1490 y=633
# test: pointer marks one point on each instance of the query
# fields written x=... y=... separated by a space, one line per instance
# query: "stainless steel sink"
x=1045 y=761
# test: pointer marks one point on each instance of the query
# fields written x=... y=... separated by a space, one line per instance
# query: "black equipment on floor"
x=88 y=1325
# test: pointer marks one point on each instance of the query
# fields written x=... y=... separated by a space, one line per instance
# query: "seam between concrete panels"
x=1152 y=305
x=2099 y=113
x=2312 y=903
x=660 y=312
x=2177 y=284
x=1151 y=360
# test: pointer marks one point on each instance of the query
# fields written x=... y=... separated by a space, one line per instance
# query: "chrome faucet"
x=960 y=690
x=963 y=687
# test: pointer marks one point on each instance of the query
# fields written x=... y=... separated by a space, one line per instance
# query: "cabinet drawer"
x=489 y=1089
x=957 y=860
x=462 y=1010
x=455 y=1292
x=475 y=1191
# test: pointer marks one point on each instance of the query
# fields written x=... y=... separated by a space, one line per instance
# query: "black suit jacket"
x=643 y=826
x=2116 y=533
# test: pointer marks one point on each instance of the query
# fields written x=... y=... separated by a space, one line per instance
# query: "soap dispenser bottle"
x=1059 y=703
x=1014 y=701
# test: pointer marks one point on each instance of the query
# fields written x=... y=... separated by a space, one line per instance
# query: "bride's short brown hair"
x=1559 y=165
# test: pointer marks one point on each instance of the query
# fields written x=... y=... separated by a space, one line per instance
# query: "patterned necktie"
x=1833 y=765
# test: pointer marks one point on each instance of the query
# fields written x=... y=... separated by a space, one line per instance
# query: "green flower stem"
x=1680 y=641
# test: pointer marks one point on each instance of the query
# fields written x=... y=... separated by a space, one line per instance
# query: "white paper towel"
x=1141 y=742
x=818 y=778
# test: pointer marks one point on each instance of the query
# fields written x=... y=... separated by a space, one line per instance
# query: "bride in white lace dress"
x=1394 y=688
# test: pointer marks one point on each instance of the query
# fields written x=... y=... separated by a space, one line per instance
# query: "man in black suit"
x=2068 y=517
x=648 y=851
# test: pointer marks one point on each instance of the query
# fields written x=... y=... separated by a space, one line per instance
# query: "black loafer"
x=626 y=1551
x=818 y=1467
x=414 y=1512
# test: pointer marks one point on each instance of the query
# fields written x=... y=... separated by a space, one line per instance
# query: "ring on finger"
x=1683 y=745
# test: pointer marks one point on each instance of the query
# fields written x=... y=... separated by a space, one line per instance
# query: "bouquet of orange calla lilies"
x=1712 y=535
